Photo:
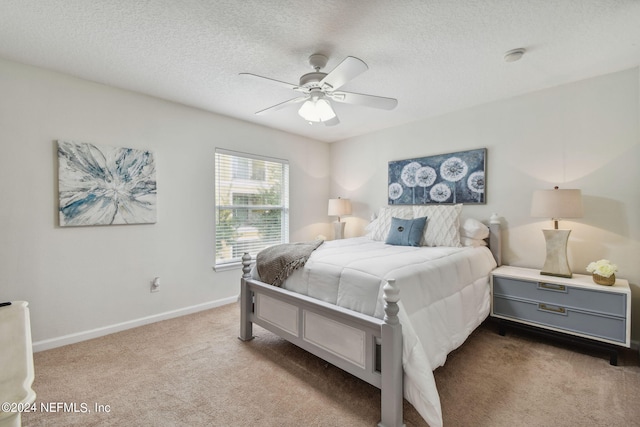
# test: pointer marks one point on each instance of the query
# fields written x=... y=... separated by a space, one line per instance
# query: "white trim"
x=106 y=330
x=250 y=156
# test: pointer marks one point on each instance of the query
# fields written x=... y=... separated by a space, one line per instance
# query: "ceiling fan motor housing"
x=311 y=80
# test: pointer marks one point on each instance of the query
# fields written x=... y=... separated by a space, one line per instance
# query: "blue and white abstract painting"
x=101 y=185
x=441 y=179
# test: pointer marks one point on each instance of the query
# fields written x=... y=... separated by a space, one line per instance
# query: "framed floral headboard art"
x=442 y=179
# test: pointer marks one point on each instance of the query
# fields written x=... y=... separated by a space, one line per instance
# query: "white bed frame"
x=365 y=346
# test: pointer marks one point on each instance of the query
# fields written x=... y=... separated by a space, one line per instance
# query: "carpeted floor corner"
x=193 y=371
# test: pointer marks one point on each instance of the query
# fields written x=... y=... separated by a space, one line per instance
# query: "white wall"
x=584 y=135
x=80 y=280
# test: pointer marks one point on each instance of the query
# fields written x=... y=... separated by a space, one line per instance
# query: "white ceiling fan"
x=319 y=88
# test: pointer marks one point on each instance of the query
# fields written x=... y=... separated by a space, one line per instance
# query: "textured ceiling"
x=433 y=56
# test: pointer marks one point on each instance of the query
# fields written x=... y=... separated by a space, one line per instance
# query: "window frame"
x=240 y=178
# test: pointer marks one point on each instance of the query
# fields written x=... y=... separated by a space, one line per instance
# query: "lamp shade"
x=556 y=204
x=339 y=207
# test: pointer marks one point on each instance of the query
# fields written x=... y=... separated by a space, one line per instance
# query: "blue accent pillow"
x=406 y=232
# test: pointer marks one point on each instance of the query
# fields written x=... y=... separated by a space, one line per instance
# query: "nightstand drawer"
x=567 y=296
x=561 y=317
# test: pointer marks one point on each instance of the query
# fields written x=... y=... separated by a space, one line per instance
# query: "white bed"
x=334 y=307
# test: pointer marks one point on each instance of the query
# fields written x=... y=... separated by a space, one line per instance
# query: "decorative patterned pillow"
x=443 y=224
x=378 y=229
x=406 y=232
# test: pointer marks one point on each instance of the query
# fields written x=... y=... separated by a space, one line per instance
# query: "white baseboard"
x=106 y=330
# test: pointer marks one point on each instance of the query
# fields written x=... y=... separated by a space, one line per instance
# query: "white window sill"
x=229 y=266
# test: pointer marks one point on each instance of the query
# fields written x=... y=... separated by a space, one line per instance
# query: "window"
x=252 y=204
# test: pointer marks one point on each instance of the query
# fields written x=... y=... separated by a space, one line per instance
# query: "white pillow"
x=468 y=241
x=474 y=229
x=378 y=229
x=443 y=224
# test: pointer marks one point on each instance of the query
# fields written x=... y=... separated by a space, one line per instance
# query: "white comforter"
x=444 y=296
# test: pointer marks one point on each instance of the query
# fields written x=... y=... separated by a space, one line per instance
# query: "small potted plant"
x=603 y=272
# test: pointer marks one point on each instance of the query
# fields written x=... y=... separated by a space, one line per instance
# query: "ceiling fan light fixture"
x=308 y=112
x=324 y=109
x=317 y=110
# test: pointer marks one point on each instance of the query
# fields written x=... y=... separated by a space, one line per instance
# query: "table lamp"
x=556 y=204
x=339 y=207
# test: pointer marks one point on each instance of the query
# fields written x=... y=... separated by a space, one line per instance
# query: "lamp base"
x=556 y=263
x=338 y=230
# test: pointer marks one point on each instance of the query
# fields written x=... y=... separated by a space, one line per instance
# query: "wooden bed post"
x=246 y=300
x=391 y=389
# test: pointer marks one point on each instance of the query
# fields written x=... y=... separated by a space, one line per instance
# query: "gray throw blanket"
x=276 y=263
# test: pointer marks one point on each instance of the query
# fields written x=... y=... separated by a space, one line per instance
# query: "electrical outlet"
x=155 y=285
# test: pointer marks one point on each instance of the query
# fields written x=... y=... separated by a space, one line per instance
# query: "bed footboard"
x=344 y=338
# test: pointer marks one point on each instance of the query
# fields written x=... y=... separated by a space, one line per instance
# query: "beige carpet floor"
x=193 y=371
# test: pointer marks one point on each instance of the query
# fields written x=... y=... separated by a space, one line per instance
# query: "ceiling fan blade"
x=283 y=105
x=332 y=122
x=366 y=100
x=273 y=81
x=348 y=69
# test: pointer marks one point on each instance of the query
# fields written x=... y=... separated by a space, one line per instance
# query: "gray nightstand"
x=575 y=308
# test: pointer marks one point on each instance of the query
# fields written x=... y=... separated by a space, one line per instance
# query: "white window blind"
x=252 y=204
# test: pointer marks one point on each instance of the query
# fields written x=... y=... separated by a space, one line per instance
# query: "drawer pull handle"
x=553 y=309
x=552 y=286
